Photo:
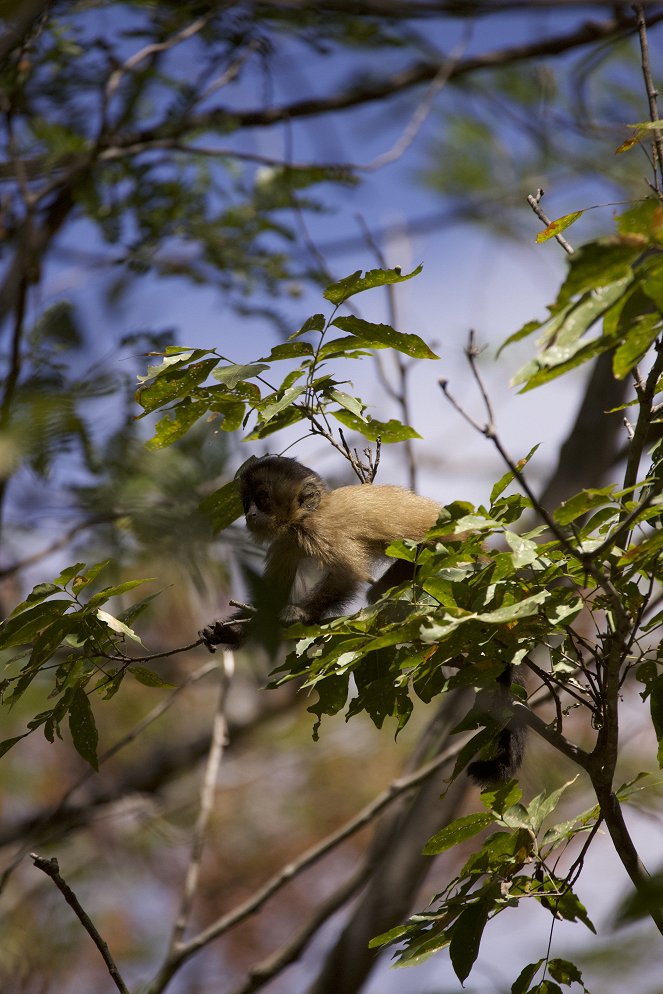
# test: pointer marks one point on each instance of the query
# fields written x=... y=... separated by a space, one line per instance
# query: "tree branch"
x=51 y=869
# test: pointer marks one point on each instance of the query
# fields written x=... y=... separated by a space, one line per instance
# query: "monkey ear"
x=245 y=467
x=310 y=495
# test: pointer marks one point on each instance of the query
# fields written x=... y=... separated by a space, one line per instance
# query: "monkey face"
x=277 y=494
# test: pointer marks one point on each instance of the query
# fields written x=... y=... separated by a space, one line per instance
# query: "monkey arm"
x=271 y=595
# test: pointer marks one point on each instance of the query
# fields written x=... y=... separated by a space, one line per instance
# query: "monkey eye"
x=261 y=500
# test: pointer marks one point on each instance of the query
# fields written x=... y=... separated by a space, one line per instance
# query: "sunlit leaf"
x=384 y=336
x=558 y=225
x=356 y=283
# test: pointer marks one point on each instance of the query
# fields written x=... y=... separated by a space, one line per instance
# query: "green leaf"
x=332 y=695
x=564 y=347
x=174 y=383
x=8 y=744
x=117 y=626
x=352 y=404
x=457 y=831
x=230 y=409
x=558 y=225
x=655 y=692
x=289 y=350
x=83 y=728
x=525 y=977
x=565 y=972
x=81 y=580
x=580 y=504
x=176 y=423
x=386 y=431
x=540 y=807
x=381 y=336
x=509 y=476
x=68 y=574
x=148 y=677
x=223 y=506
x=356 y=283
x=275 y=404
x=114 y=591
x=466 y=938
x=641 y=334
x=231 y=375
x=524 y=550
x=316 y=322
x=598 y=264
x=26 y=626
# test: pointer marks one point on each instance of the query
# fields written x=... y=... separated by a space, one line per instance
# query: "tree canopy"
x=203 y=816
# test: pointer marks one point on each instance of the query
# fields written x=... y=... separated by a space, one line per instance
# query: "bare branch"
x=219 y=736
x=652 y=94
x=51 y=869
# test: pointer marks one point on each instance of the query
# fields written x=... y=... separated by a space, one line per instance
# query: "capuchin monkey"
x=344 y=531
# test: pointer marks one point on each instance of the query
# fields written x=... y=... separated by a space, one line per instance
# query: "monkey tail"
x=509 y=747
x=505 y=763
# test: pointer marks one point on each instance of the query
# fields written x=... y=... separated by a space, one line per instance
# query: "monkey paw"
x=221 y=633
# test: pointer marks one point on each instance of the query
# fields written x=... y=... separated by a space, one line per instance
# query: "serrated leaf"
x=117 y=626
x=457 y=831
x=384 y=336
x=558 y=225
x=338 y=292
x=83 y=727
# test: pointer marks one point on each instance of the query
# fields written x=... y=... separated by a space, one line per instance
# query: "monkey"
x=344 y=531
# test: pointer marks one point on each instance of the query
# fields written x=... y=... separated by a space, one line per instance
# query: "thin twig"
x=400 y=394
x=534 y=202
x=51 y=868
x=263 y=972
x=219 y=736
x=652 y=94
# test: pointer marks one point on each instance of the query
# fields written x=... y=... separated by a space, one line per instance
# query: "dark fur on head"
x=277 y=493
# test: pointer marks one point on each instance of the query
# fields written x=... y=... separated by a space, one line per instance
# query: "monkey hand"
x=231 y=633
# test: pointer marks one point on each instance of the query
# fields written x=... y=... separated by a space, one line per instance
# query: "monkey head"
x=277 y=494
